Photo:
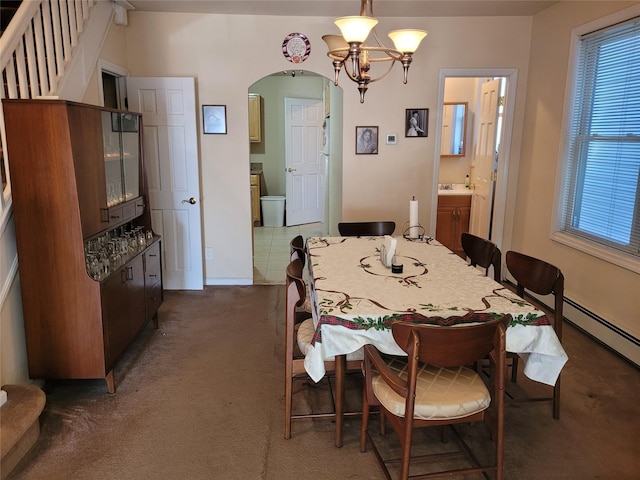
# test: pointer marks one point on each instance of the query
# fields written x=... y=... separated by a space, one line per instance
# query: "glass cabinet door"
x=130 y=155
x=121 y=156
x=112 y=158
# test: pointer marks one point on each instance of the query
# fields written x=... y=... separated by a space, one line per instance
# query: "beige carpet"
x=202 y=398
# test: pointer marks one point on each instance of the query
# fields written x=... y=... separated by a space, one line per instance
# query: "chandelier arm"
x=370 y=80
x=342 y=54
x=378 y=41
x=390 y=52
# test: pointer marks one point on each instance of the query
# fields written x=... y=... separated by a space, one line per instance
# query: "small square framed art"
x=214 y=118
x=366 y=140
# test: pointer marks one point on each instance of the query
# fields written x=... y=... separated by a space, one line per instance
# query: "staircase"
x=38 y=44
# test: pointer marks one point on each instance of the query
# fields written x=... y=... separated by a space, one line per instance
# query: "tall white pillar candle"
x=414 y=231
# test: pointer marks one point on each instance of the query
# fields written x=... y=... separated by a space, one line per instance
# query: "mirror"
x=454 y=129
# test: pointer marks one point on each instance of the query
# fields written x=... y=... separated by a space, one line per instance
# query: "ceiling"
x=336 y=8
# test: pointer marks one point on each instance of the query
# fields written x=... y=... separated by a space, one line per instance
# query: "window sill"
x=598 y=251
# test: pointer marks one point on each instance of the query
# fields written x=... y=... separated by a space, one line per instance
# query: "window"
x=600 y=193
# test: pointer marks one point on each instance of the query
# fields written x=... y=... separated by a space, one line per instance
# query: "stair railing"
x=38 y=44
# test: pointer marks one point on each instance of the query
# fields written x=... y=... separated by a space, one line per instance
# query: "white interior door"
x=170 y=146
x=485 y=160
x=303 y=162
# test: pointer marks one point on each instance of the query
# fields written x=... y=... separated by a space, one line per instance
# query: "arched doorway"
x=269 y=158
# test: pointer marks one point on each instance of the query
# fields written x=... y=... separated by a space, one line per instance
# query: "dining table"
x=356 y=298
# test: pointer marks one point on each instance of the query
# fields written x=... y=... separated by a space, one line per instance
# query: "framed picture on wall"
x=214 y=118
x=366 y=140
x=417 y=122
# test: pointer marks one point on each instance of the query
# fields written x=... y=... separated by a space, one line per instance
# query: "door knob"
x=192 y=201
x=291 y=169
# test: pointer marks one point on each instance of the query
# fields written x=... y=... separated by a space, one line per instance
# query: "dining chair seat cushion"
x=440 y=392
x=306 y=330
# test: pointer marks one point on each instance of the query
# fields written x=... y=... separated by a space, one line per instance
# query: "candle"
x=413 y=219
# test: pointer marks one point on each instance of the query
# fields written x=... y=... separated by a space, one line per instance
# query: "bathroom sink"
x=453 y=189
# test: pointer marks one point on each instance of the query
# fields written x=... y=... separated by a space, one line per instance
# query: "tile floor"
x=271 y=250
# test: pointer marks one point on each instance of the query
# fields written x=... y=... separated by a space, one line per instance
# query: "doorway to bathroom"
x=490 y=95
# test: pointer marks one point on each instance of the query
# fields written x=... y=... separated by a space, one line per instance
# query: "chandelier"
x=350 y=51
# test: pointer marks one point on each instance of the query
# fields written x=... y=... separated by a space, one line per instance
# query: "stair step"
x=19 y=424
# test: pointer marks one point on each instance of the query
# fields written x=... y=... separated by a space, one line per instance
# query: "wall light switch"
x=208 y=253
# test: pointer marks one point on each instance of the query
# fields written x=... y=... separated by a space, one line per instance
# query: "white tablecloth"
x=356 y=299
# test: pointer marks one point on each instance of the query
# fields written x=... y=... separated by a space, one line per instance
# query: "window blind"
x=601 y=191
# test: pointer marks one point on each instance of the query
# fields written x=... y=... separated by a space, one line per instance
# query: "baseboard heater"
x=604 y=332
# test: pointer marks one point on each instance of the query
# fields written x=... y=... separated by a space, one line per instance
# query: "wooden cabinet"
x=255 y=118
x=452 y=220
x=78 y=180
x=255 y=198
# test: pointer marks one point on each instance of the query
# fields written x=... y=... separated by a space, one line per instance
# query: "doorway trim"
x=504 y=155
x=117 y=71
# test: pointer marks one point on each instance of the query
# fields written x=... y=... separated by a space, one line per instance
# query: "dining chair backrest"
x=297 y=249
x=539 y=277
x=535 y=275
x=296 y=288
x=484 y=253
x=449 y=346
x=356 y=229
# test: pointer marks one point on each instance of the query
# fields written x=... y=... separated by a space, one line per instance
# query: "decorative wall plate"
x=296 y=47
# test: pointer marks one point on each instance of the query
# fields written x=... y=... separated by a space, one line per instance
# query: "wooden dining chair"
x=299 y=333
x=537 y=276
x=358 y=229
x=484 y=253
x=434 y=386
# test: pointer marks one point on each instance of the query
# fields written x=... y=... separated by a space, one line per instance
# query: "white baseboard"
x=598 y=328
x=228 y=281
x=613 y=337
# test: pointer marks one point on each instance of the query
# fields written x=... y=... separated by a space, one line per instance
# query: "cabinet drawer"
x=154 y=299
x=454 y=201
x=152 y=265
x=128 y=211
x=152 y=274
x=139 y=202
x=114 y=215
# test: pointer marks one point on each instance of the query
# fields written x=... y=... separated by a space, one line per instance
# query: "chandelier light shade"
x=335 y=42
x=407 y=41
x=355 y=29
x=349 y=50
